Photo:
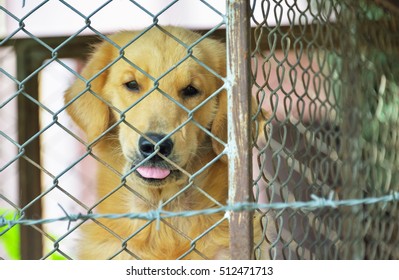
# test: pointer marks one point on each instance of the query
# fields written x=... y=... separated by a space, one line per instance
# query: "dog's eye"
x=132 y=85
x=190 y=91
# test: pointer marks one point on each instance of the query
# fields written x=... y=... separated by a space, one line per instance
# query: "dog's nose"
x=147 y=148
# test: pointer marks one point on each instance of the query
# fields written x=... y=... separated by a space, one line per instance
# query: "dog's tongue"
x=153 y=172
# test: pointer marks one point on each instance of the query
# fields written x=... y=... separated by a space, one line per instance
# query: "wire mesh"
x=323 y=72
x=324 y=169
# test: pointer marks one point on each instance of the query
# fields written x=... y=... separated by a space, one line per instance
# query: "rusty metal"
x=240 y=154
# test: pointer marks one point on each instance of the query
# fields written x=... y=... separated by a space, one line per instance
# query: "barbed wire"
x=159 y=213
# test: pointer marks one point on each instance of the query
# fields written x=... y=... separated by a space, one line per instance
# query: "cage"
x=322 y=176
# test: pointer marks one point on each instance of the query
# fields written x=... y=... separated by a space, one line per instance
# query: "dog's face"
x=160 y=102
x=160 y=95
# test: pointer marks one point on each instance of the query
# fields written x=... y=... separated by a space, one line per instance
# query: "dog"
x=144 y=102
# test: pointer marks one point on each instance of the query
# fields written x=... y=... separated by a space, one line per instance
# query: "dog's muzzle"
x=155 y=167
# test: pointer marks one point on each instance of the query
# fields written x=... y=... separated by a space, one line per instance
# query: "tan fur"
x=155 y=53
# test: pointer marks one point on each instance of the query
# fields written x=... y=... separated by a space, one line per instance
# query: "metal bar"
x=239 y=140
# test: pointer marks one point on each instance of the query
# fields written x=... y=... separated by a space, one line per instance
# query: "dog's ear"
x=260 y=123
x=219 y=125
x=260 y=128
x=88 y=111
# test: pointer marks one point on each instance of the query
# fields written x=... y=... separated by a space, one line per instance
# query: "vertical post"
x=29 y=60
x=239 y=140
x=352 y=104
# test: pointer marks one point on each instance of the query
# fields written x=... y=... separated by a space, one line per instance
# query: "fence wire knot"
x=9 y=223
x=155 y=215
x=321 y=202
x=4 y=221
x=70 y=218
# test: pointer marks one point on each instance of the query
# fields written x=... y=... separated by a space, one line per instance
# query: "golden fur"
x=123 y=191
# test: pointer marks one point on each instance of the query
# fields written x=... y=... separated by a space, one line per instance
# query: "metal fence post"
x=240 y=152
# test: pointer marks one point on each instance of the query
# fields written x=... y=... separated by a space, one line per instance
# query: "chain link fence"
x=317 y=163
x=334 y=104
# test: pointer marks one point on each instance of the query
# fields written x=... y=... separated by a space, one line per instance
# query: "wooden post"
x=239 y=140
x=28 y=60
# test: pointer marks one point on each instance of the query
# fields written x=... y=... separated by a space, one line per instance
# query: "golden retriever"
x=143 y=104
